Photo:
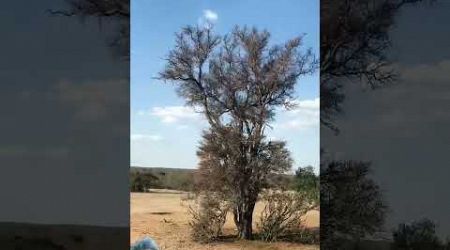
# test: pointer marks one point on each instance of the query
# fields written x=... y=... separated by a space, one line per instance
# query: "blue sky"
x=165 y=133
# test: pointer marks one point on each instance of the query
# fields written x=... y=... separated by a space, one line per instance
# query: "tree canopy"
x=237 y=81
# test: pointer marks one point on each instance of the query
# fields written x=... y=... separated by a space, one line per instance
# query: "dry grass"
x=164 y=217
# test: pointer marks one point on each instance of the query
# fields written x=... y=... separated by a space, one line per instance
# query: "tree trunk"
x=243 y=218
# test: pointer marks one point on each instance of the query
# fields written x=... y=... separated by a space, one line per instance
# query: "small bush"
x=307 y=182
x=140 y=182
x=282 y=214
x=208 y=218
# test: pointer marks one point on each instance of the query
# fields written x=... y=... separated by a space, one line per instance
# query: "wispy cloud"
x=145 y=137
x=305 y=115
x=298 y=124
x=173 y=114
x=306 y=105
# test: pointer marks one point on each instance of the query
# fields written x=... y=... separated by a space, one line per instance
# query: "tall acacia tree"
x=237 y=81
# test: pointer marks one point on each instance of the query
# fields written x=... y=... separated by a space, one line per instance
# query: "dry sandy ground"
x=164 y=217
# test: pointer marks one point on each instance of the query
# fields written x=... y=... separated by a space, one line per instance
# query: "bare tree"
x=237 y=81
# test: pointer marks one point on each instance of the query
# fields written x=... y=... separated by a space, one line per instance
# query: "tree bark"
x=243 y=218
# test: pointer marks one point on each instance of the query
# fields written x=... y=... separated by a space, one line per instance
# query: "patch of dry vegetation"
x=282 y=214
x=164 y=218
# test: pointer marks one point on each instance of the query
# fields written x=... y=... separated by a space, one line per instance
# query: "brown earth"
x=164 y=217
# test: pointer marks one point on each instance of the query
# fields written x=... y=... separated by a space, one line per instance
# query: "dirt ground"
x=164 y=217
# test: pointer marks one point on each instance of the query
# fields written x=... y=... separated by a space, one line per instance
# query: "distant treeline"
x=141 y=179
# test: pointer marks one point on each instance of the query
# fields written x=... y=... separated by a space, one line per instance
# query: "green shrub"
x=307 y=183
x=140 y=182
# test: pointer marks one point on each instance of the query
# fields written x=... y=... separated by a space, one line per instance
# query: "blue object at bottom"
x=145 y=244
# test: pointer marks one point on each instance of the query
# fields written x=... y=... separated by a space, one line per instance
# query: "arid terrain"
x=164 y=217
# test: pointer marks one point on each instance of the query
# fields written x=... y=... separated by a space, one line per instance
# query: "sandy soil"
x=164 y=217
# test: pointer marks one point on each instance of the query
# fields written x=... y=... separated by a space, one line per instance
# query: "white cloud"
x=141 y=112
x=144 y=137
x=305 y=115
x=208 y=18
x=310 y=107
x=210 y=15
x=299 y=124
x=173 y=114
